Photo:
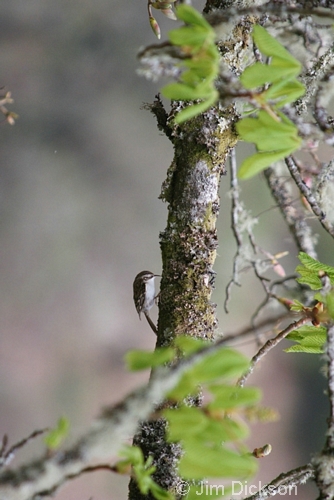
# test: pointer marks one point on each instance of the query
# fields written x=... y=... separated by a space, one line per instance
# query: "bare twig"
x=236 y=210
x=251 y=330
x=6 y=456
x=305 y=190
x=269 y=345
x=286 y=483
x=294 y=218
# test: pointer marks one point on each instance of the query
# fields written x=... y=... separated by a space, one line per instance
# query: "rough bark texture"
x=188 y=247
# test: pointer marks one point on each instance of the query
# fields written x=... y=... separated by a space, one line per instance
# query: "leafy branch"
x=273 y=133
x=197 y=42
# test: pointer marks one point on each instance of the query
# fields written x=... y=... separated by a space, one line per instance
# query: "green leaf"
x=222 y=364
x=216 y=462
x=203 y=68
x=309 y=271
x=184 y=421
x=286 y=91
x=191 y=16
x=267 y=133
x=308 y=277
x=297 y=306
x=315 y=265
x=183 y=92
x=269 y=46
x=256 y=163
x=310 y=339
x=195 y=109
x=189 y=424
x=57 y=435
x=141 y=360
x=133 y=454
x=304 y=349
x=189 y=345
x=258 y=74
x=229 y=397
x=193 y=37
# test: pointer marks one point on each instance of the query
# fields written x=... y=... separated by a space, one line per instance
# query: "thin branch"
x=312 y=77
x=285 y=483
x=251 y=330
x=294 y=218
x=270 y=344
x=236 y=210
x=305 y=190
x=6 y=456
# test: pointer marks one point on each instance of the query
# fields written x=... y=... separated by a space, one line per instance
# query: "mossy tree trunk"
x=188 y=247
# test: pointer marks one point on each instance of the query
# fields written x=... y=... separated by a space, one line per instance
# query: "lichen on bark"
x=189 y=242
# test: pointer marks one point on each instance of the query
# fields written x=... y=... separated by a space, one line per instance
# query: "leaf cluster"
x=311 y=338
x=201 y=63
x=142 y=470
x=211 y=435
x=274 y=135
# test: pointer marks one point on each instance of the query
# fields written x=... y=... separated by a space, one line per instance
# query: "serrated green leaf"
x=141 y=360
x=256 y=163
x=269 y=46
x=308 y=277
x=229 y=397
x=309 y=331
x=305 y=349
x=315 y=265
x=191 y=16
x=310 y=339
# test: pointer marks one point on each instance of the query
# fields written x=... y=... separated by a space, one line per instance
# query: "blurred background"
x=80 y=176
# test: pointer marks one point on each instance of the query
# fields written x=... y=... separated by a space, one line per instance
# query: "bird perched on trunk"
x=144 y=295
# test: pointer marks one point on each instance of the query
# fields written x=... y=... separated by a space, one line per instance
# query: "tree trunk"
x=188 y=247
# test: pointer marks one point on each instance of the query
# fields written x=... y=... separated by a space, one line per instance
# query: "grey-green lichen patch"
x=201 y=189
